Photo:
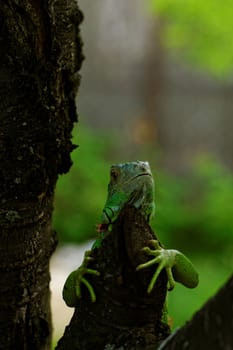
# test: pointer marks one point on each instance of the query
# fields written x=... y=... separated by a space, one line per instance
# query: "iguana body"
x=132 y=183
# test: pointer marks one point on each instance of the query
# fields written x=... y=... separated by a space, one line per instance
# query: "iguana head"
x=130 y=183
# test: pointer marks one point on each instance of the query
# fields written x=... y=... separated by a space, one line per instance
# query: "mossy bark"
x=124 y=316
x=39 y=63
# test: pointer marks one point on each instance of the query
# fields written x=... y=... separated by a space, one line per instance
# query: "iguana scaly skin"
x=132 y=183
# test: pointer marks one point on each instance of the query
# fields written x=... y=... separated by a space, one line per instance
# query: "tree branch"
x=210 y=328
x=124 y=316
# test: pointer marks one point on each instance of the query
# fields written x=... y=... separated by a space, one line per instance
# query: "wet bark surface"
x=39 y=63
x=124 y=316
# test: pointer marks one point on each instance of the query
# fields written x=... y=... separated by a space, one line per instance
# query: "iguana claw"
x=79 y=279
x=165 y=260
x=72 y=286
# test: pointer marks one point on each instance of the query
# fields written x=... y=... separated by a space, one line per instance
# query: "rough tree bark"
x=124 y=316
x=39 y=62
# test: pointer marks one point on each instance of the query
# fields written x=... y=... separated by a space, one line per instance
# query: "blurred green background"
x=193 y=214
x=157 y=85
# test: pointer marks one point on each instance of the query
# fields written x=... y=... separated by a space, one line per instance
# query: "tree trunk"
x=40 y=57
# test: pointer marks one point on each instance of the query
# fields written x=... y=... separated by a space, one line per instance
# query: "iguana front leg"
x=178 y=267
x=72 y=288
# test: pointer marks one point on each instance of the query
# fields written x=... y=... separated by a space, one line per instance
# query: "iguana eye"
x=114 y=174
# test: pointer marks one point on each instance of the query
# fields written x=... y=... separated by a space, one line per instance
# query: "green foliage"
x=196 y=213
x=213 y=273
x=216 y=204
x=201 y=30
x=192 y=213
x=81 y=194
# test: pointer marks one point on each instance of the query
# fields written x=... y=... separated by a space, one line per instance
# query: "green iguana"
x=132 y=183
